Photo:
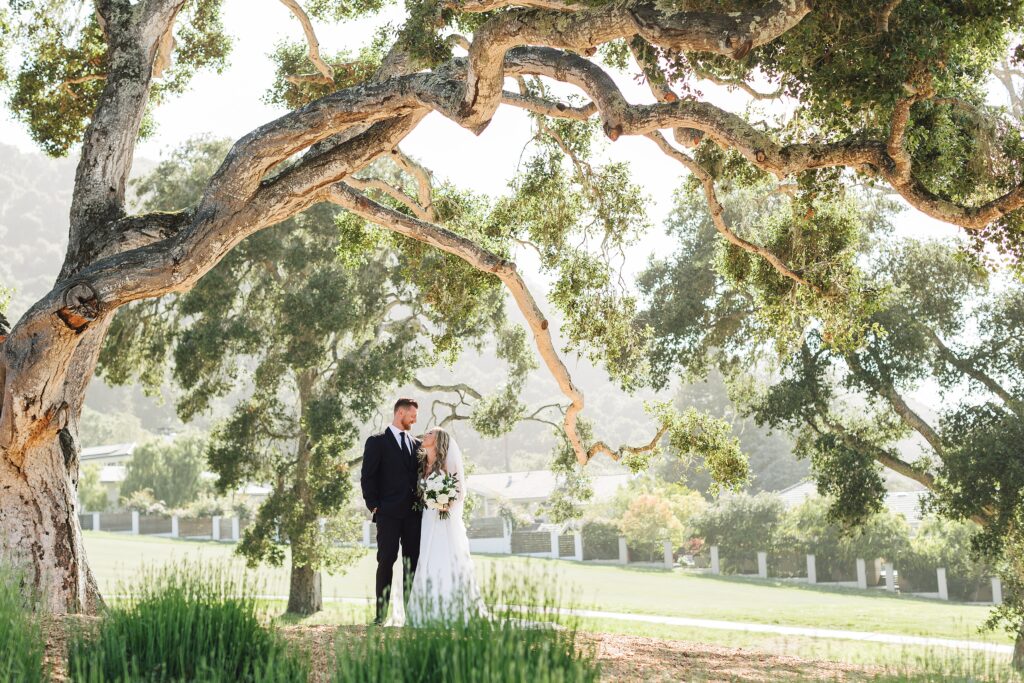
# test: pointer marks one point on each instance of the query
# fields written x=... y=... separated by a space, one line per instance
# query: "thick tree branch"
x=732 y=34
x=973 y=371
x=883 y=386
x=732 y=131
x=881 y=455
x=109 y=143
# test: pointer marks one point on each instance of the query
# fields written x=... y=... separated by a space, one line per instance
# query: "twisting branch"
x=882 y=456
x=459 y=388
x=66 y=85
x=616 y=455
x=733 y=83
x=424 y=187
x=325 y=69
x=882 y=20
x=364 y=184
x=717 y=212
x=545 y=107
x=478 y=6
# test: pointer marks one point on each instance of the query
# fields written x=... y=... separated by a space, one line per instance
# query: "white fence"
x=888 y=573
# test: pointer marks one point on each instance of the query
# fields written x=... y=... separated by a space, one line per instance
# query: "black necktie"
x=405 y=447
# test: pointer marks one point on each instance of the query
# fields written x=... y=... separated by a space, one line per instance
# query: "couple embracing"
x=438 y=577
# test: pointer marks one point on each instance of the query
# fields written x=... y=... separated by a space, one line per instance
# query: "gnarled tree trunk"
x=39 y=451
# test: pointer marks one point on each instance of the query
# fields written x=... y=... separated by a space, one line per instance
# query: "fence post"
x=506 y=529
x=323 y=524
x=812 y=569
x=623 y=551
x=216 y=527
x=578 y=546
x=862 y=574
x=236 y=527
x=940 y=574
x=715 y=567
x=890 y=578
x=135 y=522
x=366 y=534
x=762 y=565
x=174 y=526
x=554 y=544
x=669 y=555
x=95 y=521
x=997 y=591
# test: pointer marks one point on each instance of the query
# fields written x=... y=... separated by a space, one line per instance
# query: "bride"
x=444 y=587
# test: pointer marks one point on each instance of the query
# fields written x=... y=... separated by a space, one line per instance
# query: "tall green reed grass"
x=185 y=622
x=520 y=637
x=22 y=646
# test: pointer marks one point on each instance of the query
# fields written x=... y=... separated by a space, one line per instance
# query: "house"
x=531 y=487
x=112 y=461
x=905 y=503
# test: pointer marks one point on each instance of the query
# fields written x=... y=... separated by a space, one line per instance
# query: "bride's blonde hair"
x=442 y=439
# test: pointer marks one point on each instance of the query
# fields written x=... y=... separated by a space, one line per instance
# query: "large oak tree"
x=883 y=90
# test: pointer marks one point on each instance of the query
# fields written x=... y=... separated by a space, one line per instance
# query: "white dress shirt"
x=398 y=433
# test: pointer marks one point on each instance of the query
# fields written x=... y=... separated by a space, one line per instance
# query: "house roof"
x=906 y=503
x=111 y=451
x=535 y=485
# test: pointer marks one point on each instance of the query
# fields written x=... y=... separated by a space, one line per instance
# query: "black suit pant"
x=392 y=532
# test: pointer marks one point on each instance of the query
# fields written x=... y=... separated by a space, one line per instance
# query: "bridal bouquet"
x=439 y=491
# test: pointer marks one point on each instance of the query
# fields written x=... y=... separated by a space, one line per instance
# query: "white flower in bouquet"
x=439 y=490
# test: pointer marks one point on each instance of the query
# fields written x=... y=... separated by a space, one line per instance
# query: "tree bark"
x=305 y=594
x=39 y=530
x=1018 y=651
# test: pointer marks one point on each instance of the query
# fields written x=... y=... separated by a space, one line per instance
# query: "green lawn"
x=116 y=558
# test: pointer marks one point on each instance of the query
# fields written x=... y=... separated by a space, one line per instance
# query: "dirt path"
x=635 y=658
x=623 y=658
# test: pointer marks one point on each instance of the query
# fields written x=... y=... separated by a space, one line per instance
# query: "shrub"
x=741 y=526
x=21 y=640
x=92 y=497
x=503 y=645
x=144 y=503
x=808 y=530
x=600 y=540
x=184 y=623
x=647 y=523
x=945 y=543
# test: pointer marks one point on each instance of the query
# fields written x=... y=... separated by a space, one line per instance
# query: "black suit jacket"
x=388 y=476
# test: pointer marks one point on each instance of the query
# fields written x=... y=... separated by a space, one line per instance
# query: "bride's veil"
x=456 y=467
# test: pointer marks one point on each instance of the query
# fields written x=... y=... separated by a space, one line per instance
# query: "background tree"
x=171 y=470
x=894 y=93
x=853 y=398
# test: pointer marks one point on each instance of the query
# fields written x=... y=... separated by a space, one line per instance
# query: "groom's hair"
x=405 y=402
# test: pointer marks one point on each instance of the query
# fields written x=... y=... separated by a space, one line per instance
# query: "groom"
x=388 y=480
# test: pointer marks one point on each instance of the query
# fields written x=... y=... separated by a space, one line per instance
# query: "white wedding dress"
x=444 y=587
